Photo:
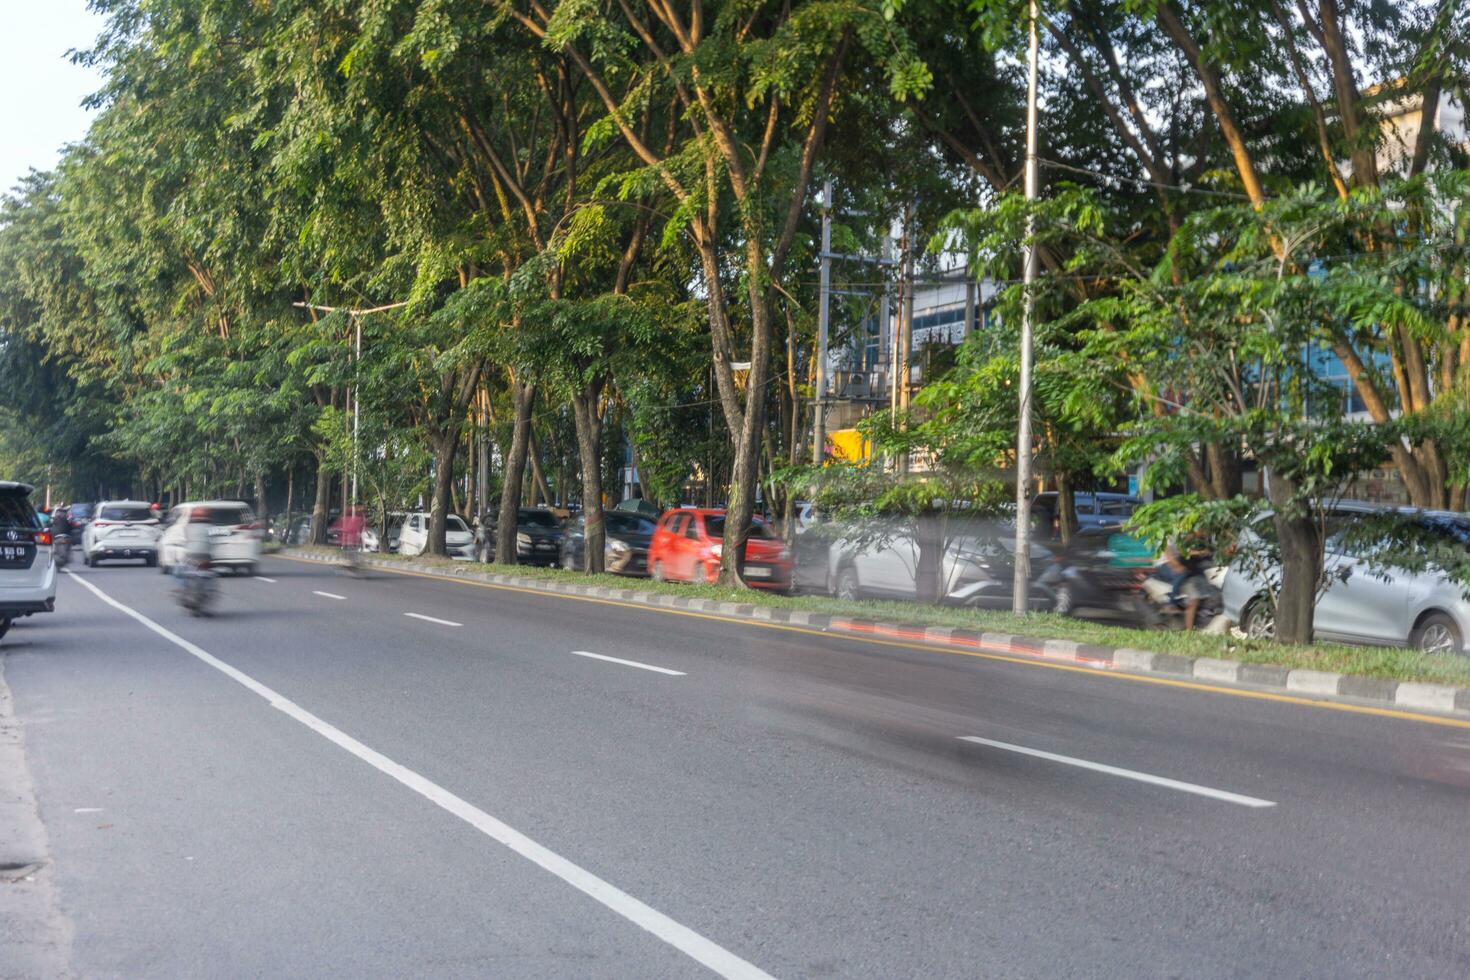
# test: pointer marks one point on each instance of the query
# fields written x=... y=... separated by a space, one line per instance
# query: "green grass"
x=1385 y=662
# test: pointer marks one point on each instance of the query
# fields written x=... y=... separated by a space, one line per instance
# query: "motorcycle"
x=198 y=586
x=1161 y=604
x=61 y=550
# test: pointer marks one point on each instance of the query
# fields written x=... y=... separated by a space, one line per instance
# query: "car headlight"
x=615 y=547
x=716 y=549
x=523 y=540
x=785 y=554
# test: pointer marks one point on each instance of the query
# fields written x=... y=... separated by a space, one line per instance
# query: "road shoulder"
x=34 y=934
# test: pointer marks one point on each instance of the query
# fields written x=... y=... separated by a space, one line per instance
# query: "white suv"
x=27 y=574
x=121 y=529
x=234 y=535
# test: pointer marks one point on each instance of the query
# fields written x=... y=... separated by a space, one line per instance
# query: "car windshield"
x=125 y=512
x=16 y=510
x=714 y=525
x=628 y=524
x=538 y=518
x=453 y=523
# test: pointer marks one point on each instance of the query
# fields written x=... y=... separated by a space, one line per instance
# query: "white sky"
x=41 y=109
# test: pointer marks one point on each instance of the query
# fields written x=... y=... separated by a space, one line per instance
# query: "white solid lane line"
x=262 y=578
x=328 y=595
x=704 y=951
x=431 y=619
x=629 y=663
x=1142 y=777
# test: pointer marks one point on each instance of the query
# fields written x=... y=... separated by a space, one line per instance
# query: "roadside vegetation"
x=1384 y=662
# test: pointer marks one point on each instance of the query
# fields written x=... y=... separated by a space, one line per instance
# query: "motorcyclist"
x=349 y=536
x=61 y=532
x=1183 y=568
x=194 y=573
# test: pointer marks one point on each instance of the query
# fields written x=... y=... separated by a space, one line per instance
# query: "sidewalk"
x=1370 y=693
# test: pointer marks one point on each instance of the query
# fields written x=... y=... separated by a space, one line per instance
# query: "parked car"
x=625 y=551
x=234 y=535
x=687 y=543
x=1362 y=604
x=1093 y=510
x=27 y=573
x=413 y=538
x=881 y=559
x=121 y=529
x=538 y=537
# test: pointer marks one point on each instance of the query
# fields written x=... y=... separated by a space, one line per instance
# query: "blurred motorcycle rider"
x=349 y=536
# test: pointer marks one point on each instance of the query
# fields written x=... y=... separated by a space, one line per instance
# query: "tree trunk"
x=445 y=449
x=929 y=565
x=260 y=508
x=319 y=505
x=537 y=473
x=524 y=397
x=589 y=443
x=1300 y=541
x=290 y=501
x=1066 y=508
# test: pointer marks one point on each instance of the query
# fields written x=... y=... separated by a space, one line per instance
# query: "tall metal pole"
x=819 y=421
x=356 y=403
x=906 y=325
x=1021 y=588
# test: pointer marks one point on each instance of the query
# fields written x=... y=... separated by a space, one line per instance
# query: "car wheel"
x=248 y=570
x=87 y=559
x=1065 y=602
x=1437 y=633
x=150 y=561
x=847 y=585
x=4 y=626
x=658 y=572
x=1259 y=620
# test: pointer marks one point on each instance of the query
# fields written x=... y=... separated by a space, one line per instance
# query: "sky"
x=41 y=110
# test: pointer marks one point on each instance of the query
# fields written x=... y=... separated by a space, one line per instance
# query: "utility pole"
x=819 y=420
x=1021 y=588
x=356 y=402
x=906 y=323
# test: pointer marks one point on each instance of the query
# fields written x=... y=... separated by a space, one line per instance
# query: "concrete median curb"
x=1308 y=684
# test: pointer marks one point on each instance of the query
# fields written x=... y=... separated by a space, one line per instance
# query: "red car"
x=686 y=548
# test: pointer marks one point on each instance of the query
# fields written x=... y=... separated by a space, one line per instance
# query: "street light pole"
x=1021 y=588
x=819 y=422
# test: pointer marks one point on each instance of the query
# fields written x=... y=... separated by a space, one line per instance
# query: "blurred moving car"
x=626 y=541
x=538 y=537
x=1365 y=603
x=880 y=560
x=1093 y=509
x=27 y=574
x=234 y=535
x=1101 y=570
x=687 y=544
x=121 y=529
x=80 y=516
x=413 y=537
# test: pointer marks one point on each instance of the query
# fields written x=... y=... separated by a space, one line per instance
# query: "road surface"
x=406 y=776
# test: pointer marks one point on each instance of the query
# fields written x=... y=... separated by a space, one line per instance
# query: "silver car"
x=1425 y=610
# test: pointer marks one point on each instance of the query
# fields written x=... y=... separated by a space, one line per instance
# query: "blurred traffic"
x=1094 y=566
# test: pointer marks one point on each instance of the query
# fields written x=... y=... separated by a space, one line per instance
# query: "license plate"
x=546 y=546
x=219 y=532
x=12 y=553
x=125 y=532
x=757 y=572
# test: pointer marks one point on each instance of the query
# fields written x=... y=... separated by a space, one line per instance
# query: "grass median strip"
x=1381 y=662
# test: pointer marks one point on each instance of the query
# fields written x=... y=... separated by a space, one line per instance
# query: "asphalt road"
x=405 y=776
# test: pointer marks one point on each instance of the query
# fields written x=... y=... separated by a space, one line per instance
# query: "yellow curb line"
x=1098 y=671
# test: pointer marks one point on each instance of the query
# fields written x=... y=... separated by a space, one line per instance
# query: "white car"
x=459 y=541
x=27 y=573
x=234 y=535
x=121 y=529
